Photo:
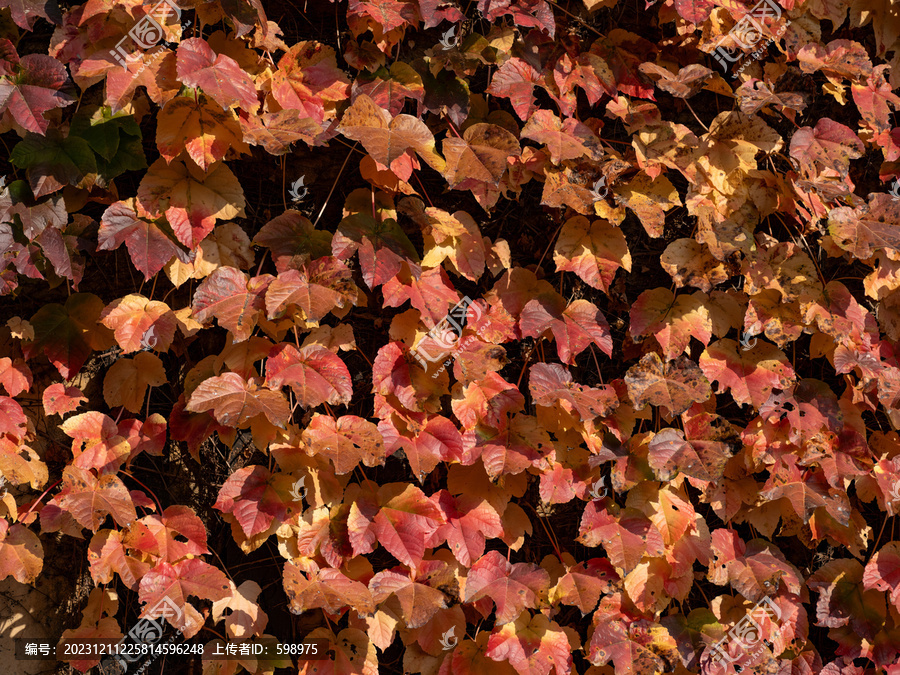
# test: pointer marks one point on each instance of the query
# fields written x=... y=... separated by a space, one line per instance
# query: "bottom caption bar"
x=84 y=649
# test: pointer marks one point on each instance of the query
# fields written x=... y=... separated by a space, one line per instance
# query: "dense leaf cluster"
x=592 y=436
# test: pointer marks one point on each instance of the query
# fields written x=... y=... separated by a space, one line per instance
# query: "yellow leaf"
x=127 y=381
x=201 y=127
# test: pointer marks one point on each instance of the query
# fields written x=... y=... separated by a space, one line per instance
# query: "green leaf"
x=66 y=160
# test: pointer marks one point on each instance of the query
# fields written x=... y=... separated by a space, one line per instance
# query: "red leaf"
x=308 y=78
x=148 y=247
x=90 y=500
x=159 y=535
x=627 y=537
x=750 y=375
x=15 y=376
x=314 y=373
x=532 y=645
x=255 y=498
x=233 y=299
x=235 y=401
x=430 y=292
x=166 y=588
x=487 y=401
x=550 y=383
x=219 y=76
x=831 y=144
x=516 y=80
x=574 y=327
x=470 y=521
x=59 y=399
x=404 y=521
x=32 y=86
x=512 y=587
x=317 y=288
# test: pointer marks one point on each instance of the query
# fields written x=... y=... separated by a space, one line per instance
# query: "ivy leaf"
x=672 y=320
x=255 y=498
x=218 y=75
x=200 y=127
x=574 y=327
x=843 y=601
x=550 y=383
x=59 y=399
x=317 y=288
x=346 y=441
x=191 y=199
x=26 y=12
x=21 y=553
x=234 y=401
x=627 y=537
x=387 y=138
x=139 y=322
x=703 y=454
x=594 y=251
x=565 y=139
x=293 y=240
x=583 y=584
x=515 y=80
x=53 y=160
x=90 y=499
x=867 y=228
x=675 y=385
x=314 y=373
x=750 y=375
x=67 y=334
x=533 y=646
x=308 y=79
x=31 y=86
x=404 y=520
x=161 y=534
x=420 y=597
x=512 y=587
x=430 y=292
x=481 y=154
x=471 y=520
x=167 y=584
x=234 y=299
x=831 y=144
x=96 y=442
x=326 y=589
x=487 y=401
x=148 y=246
x=127 y=380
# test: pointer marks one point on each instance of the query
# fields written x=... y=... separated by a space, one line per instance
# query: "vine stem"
x=152 y=494
x=334 y=185
x=38 y=500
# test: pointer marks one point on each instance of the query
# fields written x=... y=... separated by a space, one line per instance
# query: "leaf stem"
x=38 y=501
